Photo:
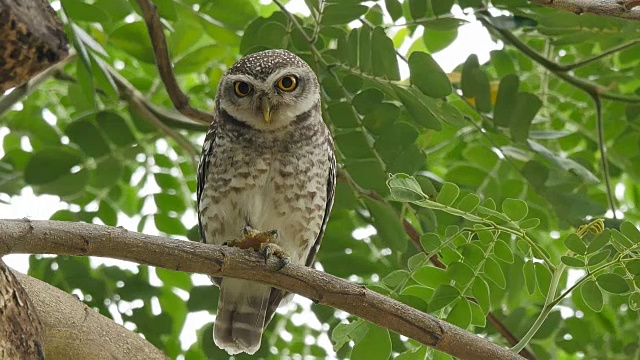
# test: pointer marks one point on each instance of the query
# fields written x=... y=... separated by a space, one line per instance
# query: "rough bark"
x=65 y=238
x=31 y=40
x=72 y=330
x=20 y=327
x=626 y=9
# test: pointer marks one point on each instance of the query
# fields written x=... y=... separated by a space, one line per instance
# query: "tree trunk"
x=31 y=40
x=20 y=327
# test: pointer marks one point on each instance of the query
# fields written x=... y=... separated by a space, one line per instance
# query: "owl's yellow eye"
x=241 y=88
x=288 y=83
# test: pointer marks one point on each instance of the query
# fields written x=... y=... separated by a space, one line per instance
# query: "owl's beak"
x=266 y=110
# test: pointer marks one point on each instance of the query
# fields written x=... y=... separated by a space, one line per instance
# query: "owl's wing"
x=277 y=295
x=203 y=170
x=331 y=193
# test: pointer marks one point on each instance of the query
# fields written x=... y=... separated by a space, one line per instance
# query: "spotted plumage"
x=267 y=162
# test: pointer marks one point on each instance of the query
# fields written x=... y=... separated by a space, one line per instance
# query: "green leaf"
x=430 y=276
x=612 y=283
x=478 y=317
x=394 y=8
x=543 y=277
x=592 y=295
x=418 y=291
x=86 y=134
x=493 y=272
x=405 y=188
x=107 y=214
x=384 y=63
x=430 y=242
x=51 y=164
x=418 y=353
x=339 y=14
x=78 y=10
x=564 y=163
x=376 y=345
x=599 y=241
x=530 y=223
x=469 y=203
x=506 y=98
x=199 y=58
x=525 y=109
x=417 y=8
x=448 y=194
x=387 y=223
x=167 y=202
x=515 y=209
x=343 y=333
x=574 y=243
x=475 y=83
x=460 y=314
x=630 y=231
x=380 y=117
x=598 y=257
x=107 y=173
x=169 y=225
x=480 y=291
x=420 y=113
x=366 y=100
x=572 y=261
x=503 y=251
x=437 y=40
x=133 y=38
x=427 y=75
x=443 y=296
x=365 y=54
x=460 y=272
x=395 y=278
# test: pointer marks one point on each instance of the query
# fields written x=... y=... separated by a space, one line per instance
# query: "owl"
x=266 y=181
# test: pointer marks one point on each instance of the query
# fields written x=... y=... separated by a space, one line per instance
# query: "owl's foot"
x=269 y=249
x=253 y=239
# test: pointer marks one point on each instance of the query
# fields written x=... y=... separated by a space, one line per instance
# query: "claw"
x=285 y=262
x=267 y=253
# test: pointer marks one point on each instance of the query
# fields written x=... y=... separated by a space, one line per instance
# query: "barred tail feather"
x=241 y=316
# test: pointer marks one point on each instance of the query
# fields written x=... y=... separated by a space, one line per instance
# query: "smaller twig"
x=613 y=50
x=603 y=154
x=131 y=95
x=179 y=99
x=584 y=85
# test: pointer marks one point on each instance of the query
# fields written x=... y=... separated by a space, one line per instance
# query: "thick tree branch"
x=626 y=9
x=179 y=99
x=80 y=239
x=72 y=330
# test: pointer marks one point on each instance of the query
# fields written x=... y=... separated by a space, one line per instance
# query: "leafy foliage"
x=496 y=166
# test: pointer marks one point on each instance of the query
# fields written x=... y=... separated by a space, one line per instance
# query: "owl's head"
x=268 y=90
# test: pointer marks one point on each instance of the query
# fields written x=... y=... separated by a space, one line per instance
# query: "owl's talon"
x=267 y=253
x=285 y=262
x=269 y=249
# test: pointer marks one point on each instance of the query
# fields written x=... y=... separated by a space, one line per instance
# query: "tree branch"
x=589 y=87
x=626 y=9
x=81 y=239
x=179 y=99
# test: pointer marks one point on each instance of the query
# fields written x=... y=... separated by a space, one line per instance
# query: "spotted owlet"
x=266 y=180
